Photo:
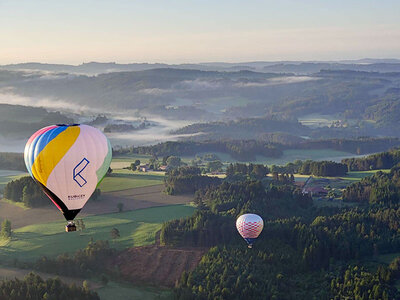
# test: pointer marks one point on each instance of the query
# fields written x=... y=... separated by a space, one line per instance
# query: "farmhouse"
x=145 y=168
x=315 y=191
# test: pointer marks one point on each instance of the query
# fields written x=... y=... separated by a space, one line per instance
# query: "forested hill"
x=247 y=149
x=304 y=252
x=21 y=121
x=366 y=101
x=246 y=128
x=385 y=160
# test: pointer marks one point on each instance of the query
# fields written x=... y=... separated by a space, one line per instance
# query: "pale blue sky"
x=197 y=31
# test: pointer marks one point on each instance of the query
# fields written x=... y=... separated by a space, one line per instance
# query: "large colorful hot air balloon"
x=249 y=227
x=68 y=162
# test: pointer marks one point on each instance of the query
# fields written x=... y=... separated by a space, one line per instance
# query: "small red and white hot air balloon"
x=249 y=227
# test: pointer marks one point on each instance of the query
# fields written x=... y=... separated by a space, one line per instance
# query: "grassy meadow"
x=288 y=156
x=116 y=290
x=137 y=228
x=122 y=179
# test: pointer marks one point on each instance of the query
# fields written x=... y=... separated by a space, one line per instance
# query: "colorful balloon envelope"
x=68 y=162
x=249 y=227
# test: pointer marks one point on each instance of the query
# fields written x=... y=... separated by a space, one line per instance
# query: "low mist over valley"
x=143 y=104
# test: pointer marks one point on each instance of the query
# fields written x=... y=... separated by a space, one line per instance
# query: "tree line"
x=33 y=287
x=242 y=150
x=384 y=160
x=381 y=188
x=27 y=191
x=84 y=262
x=185 y=180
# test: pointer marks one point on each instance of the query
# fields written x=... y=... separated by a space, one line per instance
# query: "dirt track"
x=156 y=264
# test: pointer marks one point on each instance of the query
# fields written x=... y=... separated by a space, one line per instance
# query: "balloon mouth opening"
x=68 y=125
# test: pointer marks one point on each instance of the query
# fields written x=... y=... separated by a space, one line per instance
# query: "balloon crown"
x=68 y=125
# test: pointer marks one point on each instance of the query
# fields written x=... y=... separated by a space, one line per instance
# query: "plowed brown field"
x=157 y=265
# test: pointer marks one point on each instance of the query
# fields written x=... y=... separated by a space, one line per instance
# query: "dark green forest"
x=304 y=252
x=384 y=160
x=187 y=180
x=247 y=149
x=33 y=287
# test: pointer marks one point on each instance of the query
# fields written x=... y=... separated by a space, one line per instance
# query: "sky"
x=188 y=31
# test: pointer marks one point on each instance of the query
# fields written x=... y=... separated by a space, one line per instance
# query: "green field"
x=116 y=290
x=288 y=156
x=137 y=228
x=358 y=175
x=125 y=160
x=125 y=179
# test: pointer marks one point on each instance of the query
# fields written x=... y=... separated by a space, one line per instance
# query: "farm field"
x=288 y=156
x=137 y=228
x=116 y=290
x=158 y=265
x=123 y=161
x=121 y=179
x=351 y=176
x=131 y=199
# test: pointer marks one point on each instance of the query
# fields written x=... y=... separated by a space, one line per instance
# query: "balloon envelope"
x=249 y=227
x=68 y=162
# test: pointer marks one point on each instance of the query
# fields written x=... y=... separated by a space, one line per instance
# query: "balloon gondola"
x=68 y=162
x=249 y=227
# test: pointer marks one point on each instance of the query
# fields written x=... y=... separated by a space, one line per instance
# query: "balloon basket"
x=250 y=246
x=70 y=226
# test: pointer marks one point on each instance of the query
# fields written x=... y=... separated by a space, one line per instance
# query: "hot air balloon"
x=68 y=162
x=249 y=227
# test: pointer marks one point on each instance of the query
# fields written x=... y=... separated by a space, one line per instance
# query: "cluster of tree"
x=186 y=180
x=6 y=229
x=289 y=168
x=384 y=160
x=358 y=283
x=124 y=127
x=283 y=178
x=295 y=260
x=220 y=205
x=244 y=150
x=27 y=191
x=12 y=161
x=323 y=168
x=244 y=171
x=360 y=145
x=135 y=165
x=309 y=167
x=33 y=287
x=248 y=128
x=84 y=262
x=381 y=188
x=276 y=272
